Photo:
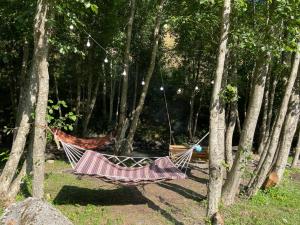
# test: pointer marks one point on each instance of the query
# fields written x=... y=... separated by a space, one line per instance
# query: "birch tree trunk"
x=297 y=152
x=123 y=102
x=261 y=176
x=25 y=109
x=216 y=137
x=139 y=108
x=289 y=129
x=232 y=183
x=229 y=134
x=41 y=64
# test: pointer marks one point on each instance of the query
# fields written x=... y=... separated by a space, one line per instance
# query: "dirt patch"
x=295 y=177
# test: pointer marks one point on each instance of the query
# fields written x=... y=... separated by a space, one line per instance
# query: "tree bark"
x=217 y=121
x=112 y=92
x=90 y=106
x=274 y=138
x=229 y=134
x=123 y=103
x=232 y=183
x=104 y=87
x=297 y=152
x=139 y=108
x=40 y=123
x=289 y=129
x=25 y=109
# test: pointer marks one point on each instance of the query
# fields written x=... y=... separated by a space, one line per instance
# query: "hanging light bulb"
x=196 y=88
x=179 y=91
x=71 y=27
x=106 y=60
x=212 y=82
x=161 y=88
x=88 y=44
x=143 y=83
x=124 y=73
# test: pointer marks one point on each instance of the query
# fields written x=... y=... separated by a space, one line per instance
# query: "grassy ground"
x=277 y=206
x=90 y=202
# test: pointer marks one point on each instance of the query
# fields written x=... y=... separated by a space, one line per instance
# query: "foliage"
x=55 y=120
x=4 y=154
x=229 y=94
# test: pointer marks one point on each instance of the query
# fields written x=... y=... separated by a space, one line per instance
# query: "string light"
x=212 y=82
x=143 y=83
x=88 y=44
x=161 y=88
x=106 y=60
x=179 y=91
x=124 y=73
x=196 y=88
x=71 y=27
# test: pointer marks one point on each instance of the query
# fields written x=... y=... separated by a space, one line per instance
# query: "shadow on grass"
x=84 y=196
x=120 y=196
x=183 y=191
x=198 y=179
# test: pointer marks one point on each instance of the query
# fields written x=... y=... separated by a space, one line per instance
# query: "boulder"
x=33 y=211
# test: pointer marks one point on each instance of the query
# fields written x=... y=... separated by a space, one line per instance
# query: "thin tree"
x=123 y=102
x=139 y=108
x=217 y=134
x=297 y=152
x=274 y=138
x=40 y=123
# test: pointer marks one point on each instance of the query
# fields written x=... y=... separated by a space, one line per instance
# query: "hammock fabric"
x=85 y=143
x=95 y=164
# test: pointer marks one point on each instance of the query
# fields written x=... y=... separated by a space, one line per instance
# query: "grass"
x=86 y=202
x=277 y=206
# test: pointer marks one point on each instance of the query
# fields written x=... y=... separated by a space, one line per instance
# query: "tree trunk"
x=229 y=134
x=123 y=103
x=297 y=152
x=197 y=115
x=261 y=176
x=104 y=93
x=25 y=109
x=112 y=93
x=216 y=137
x=190 y=122
x=40 y=123
x=232 y=183
x=90 y=106
x=289 y=129
x=139 y=108
x=263 y=128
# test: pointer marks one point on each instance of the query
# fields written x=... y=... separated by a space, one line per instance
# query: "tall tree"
x=138 y=110
x=217 y=125
x=40 y=63
x=123 y=103
x=274 y=138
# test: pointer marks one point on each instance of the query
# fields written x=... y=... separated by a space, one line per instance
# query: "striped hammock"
x=126 y=170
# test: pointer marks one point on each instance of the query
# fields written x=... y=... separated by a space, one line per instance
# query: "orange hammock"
x=85 y=143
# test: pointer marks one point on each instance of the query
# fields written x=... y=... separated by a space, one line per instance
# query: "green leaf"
x=73 y=117
x=94 y=8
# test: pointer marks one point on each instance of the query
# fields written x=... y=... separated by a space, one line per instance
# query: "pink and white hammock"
x=126 y=170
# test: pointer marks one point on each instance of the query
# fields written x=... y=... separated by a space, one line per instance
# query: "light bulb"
x=179 y=91
x=161 y=88
x=88 y=44
x=143 y=83
x=196 y=88
x=124 y=73
x=71 y=27
x=212 y=82
x=106 y=60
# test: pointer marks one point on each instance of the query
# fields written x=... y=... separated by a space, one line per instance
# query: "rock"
x=33 y=211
